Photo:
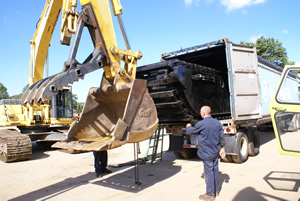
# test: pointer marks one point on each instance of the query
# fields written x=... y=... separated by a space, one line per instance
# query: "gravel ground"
x=56 y=175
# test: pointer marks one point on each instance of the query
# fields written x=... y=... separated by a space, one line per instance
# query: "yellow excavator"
x=121 y=110
x=46 y=123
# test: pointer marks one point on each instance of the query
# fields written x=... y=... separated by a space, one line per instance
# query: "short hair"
x=206 y=109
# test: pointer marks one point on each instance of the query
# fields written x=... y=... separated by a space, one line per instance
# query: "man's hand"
x=188 y=125
x=222 y=153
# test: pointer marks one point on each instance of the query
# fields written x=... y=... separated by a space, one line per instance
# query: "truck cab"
x=285 y=112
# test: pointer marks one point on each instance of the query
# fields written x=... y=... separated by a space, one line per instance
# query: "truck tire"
x=188 y=153
x=254 y=141
x=178 y=154
x=241 y=148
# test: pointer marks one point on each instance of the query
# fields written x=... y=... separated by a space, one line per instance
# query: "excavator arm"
x=121 y=109
x=43 y=34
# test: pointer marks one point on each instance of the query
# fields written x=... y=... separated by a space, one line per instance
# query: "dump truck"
x=236 y=83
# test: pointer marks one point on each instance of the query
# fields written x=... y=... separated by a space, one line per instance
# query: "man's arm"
x=221 y=136
x=222 y=142
x=222 y=152
x=192 y=130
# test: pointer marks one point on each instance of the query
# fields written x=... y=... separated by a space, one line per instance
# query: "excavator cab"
x=121 y=110
x=62 y=104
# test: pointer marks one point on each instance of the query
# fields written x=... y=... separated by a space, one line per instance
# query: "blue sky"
x=153 y=27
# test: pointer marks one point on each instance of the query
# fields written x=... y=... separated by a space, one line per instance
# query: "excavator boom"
x=43 y=34
x=121 y=109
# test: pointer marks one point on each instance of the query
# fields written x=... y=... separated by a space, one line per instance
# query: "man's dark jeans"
x=100 y=162
x=211 y=176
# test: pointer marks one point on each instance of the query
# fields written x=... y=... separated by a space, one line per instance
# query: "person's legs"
x=100 y=163
x=209 y=178
x=97 y=162
x=103 y=160
x=216 y=174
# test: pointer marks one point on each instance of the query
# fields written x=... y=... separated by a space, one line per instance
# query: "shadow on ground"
x=266 y=136
x=124 y=181
x=283 y=181
x=250 y=194
x=222 y=178
x=39 y=151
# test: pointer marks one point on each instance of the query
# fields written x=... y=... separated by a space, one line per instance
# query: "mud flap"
x=176 y=143
x=111 y=119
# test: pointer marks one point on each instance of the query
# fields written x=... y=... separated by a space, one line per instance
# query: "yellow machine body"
x=121 y=109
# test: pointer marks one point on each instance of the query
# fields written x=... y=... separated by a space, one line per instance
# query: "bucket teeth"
x=43 y=90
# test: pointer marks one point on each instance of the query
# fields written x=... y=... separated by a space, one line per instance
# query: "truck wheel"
x=254 y=141
x=178 y=154
x=188 y=153
x=241 y=148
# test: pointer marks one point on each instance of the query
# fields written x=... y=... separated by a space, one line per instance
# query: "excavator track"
x=180 y=88
x=14 y=146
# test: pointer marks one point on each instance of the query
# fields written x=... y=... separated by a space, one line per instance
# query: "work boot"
x=107 y=171
x=206 y=197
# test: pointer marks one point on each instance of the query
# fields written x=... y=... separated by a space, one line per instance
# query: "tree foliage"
x=3 y=92
x=18 y=96
x=24 y=88
x=77 y=105
x=270 y=49
x=74 y=100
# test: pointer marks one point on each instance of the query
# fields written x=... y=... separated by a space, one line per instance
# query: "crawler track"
x=179 y=89
x=14 y=146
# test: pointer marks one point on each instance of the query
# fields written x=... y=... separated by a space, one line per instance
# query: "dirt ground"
x=55 y=175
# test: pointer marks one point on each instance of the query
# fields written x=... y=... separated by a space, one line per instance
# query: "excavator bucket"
x=111 y=119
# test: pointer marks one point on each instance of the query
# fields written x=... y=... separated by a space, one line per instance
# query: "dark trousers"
x=100 y=161
x=211 y=176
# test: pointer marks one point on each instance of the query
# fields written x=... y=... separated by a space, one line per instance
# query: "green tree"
x=19 y=96
x=247 y=43
x=77 y=106
x=3 y=92
x=75 y=103
x=290 y=63
x=80 y=106
x=270 y=49
x=24 y=88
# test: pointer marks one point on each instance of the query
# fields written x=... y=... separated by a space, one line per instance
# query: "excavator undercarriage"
x=14 y=146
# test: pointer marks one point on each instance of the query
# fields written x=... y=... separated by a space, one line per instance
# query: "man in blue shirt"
x=210 y=146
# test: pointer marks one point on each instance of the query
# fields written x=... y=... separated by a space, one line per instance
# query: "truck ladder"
x=154 y=143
